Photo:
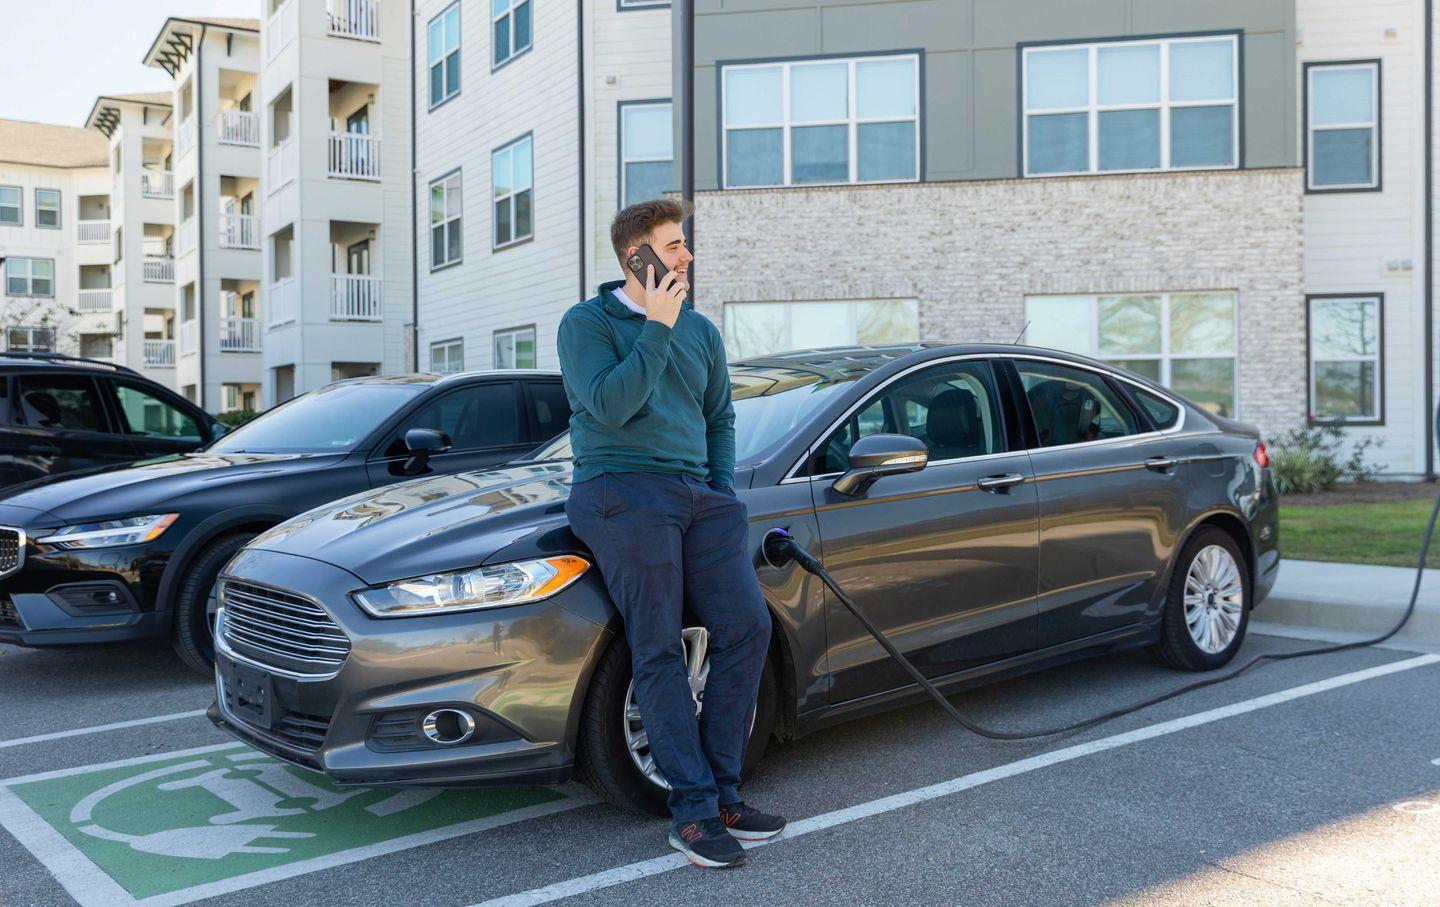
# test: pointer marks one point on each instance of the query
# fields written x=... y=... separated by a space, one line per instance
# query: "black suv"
x=133 y=552
x=60 y=414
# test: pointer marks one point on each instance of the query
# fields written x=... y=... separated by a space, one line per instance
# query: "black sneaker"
x=706 y=843
x=749 y=824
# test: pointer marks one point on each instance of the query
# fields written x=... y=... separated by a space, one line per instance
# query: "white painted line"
x=119 y=763
x=99 y=728
x=657 y=865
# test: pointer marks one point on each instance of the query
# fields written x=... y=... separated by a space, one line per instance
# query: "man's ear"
x=632 y=250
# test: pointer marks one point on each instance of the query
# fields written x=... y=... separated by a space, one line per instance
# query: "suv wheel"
x=193 y=635
x=1208 y=604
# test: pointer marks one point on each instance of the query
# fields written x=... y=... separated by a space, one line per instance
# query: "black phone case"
x=646 y=256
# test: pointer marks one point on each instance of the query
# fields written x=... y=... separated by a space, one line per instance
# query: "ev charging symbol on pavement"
x=1419 y=807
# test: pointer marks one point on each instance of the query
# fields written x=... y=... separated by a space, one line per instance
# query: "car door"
x=11 y=451
x=1112 y=500
x=482 y=420
x=154 y=424
x=63 y=425
x=547 y=408
x=945 y=567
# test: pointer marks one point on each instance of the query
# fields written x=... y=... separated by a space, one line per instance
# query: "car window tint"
x=4 y=400
x=550 y=409
x=1072 y=405
x=1162 y=412
x=60 y=402
x=149 y=416
x=481 y=415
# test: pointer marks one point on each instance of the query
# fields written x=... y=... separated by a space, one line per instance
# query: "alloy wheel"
x=1214 y=599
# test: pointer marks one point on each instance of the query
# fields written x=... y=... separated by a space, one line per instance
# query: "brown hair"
x=638 y=221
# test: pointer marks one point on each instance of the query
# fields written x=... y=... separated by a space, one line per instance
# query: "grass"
x=1378 y=532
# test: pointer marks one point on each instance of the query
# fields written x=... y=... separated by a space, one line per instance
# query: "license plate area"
x=249 y=694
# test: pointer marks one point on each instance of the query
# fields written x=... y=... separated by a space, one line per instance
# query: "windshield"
x=329 y=420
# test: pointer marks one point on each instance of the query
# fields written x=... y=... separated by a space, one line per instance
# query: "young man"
x=653 y=435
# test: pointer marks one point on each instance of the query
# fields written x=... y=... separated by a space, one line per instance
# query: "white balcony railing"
x=159 y=354
x=354 y=297
x=280 y=168
x=95 y=300
x=158 y=269
x=239 y=127
x=355 y=156
x=239 y=231
x=355 y=19
x=185 y=136
x=239 y=335
x=189 y=336
x=282 y=302
x=280 y=30
x=187 y=235
x=157 y=184
x=93 y=230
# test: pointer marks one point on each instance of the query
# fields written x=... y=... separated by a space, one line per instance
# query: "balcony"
x=355 y=19
x=158 y=269
x=187 y=236
x=280 y=30
x=354 y=156
x=157 y=184
x=93 y=231
x=282 y=303
x=185 y=136
x=95 y=300
x=280 y=168
x=354 y=297
x=239 y=231
x=189 y=336
x=239 y=127
x=239 y=335
x=159 y=354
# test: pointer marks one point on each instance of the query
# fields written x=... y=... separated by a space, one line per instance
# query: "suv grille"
x=12 y=550
x=281 y=629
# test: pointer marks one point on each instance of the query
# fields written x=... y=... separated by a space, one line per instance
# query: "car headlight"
x=494 y=586
x=133 y=530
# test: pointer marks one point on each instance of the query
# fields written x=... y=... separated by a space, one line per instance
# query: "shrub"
x=1308 y=459
x=236 y=416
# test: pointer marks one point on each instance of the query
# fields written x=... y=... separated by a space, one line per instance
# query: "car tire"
x=603 y=760
x=1209 y=564
x=192 y=633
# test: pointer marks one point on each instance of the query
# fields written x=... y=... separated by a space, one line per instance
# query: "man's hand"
x=662 y=303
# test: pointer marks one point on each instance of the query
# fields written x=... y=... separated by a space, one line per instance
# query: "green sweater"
x=645 y=397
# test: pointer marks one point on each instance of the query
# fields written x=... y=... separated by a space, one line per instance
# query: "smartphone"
x=646 y=256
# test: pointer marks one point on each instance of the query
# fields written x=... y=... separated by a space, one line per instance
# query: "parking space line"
x=658 y=865
x=119 y=763
x=100 y=728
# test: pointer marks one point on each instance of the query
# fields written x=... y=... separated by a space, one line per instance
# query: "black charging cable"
x=779 y=547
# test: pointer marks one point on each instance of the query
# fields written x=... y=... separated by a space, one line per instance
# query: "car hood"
x=109 y=491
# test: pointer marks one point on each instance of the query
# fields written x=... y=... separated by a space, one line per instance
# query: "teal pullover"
x=645 y=397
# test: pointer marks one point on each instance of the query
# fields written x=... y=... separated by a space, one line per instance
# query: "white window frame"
x=626 y=5
x=19 y=207
x=852 y=119
x=447 y=60
x=1373 y=125
x=515 y=190
x=1094 y=108
x=59 y=203
x=515 y=334
x=1377 y=417
x=32 y=331
x=446 y=222
x=29 y=277
x=511 y=6
x=852 y=321
x=625 y=107
x=448 y=350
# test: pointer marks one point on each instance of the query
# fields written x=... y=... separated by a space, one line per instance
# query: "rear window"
x=1162 y=412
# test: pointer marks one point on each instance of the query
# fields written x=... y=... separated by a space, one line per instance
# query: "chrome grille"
x=281 y=630
x=12 y=550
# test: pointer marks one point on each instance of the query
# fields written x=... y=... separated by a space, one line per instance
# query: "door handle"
x=998 y=483
x=1162 y=464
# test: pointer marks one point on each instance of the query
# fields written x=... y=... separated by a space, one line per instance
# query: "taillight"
x=1262 y=456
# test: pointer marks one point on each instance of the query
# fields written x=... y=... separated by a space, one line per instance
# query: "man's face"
x=668 y=241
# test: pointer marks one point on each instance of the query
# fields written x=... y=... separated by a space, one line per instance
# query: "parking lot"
x=1309 y=781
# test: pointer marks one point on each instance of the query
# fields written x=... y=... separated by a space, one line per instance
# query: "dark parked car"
x=62 y=414
x=994 y=509
x=133 y=552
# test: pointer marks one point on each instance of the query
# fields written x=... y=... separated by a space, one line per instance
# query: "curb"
x=1357 y=599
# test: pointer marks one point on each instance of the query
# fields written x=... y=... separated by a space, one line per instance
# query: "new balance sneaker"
x=748 y=823
x=706 y=843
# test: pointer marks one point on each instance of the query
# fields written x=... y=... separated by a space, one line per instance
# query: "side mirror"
x=422 y=443
x=874 y=456
x=220 y=429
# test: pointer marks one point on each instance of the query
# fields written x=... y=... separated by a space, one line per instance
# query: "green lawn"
x=1381 y=532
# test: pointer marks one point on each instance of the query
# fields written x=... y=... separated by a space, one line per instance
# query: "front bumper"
x=519 y=672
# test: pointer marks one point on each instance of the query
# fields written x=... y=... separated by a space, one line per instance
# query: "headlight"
x=495 y=586
x=130 y=531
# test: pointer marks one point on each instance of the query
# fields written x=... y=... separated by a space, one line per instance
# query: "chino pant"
x=663 y=541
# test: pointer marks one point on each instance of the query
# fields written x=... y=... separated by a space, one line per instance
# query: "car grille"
x=9 y=614
x=281 y=630
x=12 y=550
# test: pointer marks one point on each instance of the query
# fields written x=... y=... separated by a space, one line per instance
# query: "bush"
x=236 y=416
x=1308 y=459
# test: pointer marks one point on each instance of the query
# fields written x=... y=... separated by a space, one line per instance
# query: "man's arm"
x=611 y=389
x=719 y=417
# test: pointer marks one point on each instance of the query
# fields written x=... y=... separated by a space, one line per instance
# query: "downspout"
x=1429 y=295
x=200 y=223
x=414 y=213
x=687 y=121
x=580 y=133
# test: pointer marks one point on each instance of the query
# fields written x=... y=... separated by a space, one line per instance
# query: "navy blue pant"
x=663 y=540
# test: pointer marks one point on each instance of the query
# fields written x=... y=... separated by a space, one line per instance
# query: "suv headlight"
x=133 y=530
x=494 y=586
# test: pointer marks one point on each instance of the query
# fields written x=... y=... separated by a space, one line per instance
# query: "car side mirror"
x=219 y=430
x=421 y=443
x=874 y=456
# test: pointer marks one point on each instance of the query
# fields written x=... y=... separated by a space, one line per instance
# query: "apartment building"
x=55 y=210
x=139 y=131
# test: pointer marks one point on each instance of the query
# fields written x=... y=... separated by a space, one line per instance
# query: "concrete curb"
x=1354 y=599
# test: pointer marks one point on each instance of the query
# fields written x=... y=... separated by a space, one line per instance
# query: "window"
x=444 y=46
x=60 y=401
x=1072 y=406
x=760 y=328
x=643 y=4
x=1131 y=105
x=447 y=357
x=151 y=417
x=646 y=151
x=481 y=415
x=515 y=348
x=47 y=208
x=26 y=339
x=10 y=200
x=827 y=121
x=511 y=29
x=1185 y=341
x=1162 y=412
x=1345 y=365
x=96 y=346
x=445 y=246
x=1342 y=106
x=511 y=177
x=30 y=276
x=550 y=409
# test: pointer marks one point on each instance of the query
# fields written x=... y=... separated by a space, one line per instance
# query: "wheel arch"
x=257 y=519
x=1233 y=525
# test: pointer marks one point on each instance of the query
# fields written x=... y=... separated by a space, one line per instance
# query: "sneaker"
x=749 y=824
x=706 y=843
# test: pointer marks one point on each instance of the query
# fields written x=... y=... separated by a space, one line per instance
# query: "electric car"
x=994 y=509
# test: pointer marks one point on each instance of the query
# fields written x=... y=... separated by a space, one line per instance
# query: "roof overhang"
x=105 y=113
x=176 y=41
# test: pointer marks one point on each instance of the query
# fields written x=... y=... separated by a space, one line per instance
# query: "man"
x=652 y=495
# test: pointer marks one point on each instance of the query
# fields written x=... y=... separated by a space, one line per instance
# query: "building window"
x=96 y=346
x=445 y=55
x=760 y=328
x=823 y=121
x=1342 y=105
x=10 y=214
x=447 y=357
x=515 y=348
x=445 y=246
x=646 y=151
x=47 y=208
x=25 y=339
x=1345 y=364
x=510 y=28
x=1131 y=105
x=643 y=4
x=511 y=178
x=1185 y=341
x=30 y=276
